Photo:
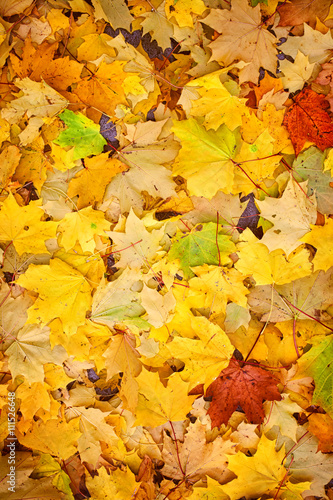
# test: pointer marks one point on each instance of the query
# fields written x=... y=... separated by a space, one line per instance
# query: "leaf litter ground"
x=166 y=254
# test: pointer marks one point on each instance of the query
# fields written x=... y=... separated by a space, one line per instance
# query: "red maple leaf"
x=244 y=385
x=308 y=120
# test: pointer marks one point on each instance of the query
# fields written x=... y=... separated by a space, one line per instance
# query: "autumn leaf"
x=247 y=386
x=201 y=246
x=22 y=226
x=256 y=475
x=82 y=134
x=316 y=363
x=307 y=120
x=165 y=212
x=205 y=154
x=58 y=283
x=254 y=44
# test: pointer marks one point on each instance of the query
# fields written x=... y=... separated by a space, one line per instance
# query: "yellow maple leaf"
x=22 y=226
x=218 y=103
x=182 y=10
x=321 y=237
x=120 y=485
x=30 y=350
x=158 y=404
x=59 y=286
x=137 y=247
x=270 y=267
x=204 y=357
x=244 y=37
x=97 y=174
x=108 y=87
x=195 y=457
x=256 y=475
x=82 y=226
x=56 y=437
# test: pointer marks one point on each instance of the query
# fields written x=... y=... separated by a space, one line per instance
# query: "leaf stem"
x=177 y=451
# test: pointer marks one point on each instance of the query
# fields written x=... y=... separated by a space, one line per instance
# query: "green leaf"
x=201 y=246
x=309 y=166
x=81 y=133
x=317 y=364
x=254 y=3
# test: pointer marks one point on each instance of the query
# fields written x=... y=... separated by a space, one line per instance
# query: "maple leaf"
x=324 y=255
x=309 y=166
x=321 y=426
x=138 y=246
x=159 y=402
x=270 y=267
x=48 y=466
x=216 y=96
x=82 y=226
x=296 y=73
x=303 y=11
x=247 y=386
x=205 y=154
x=196 y=458
x=316 y=363
x=313 y=43
x=204 y=357
x=55 y=436
x=256 y=475
x=116 y=302
x=291 y=215
x=97 y=173
x=30 y=350
x=182 y=9
x=308 y=120
x=203 y=245
x=309 y=295
x=309 y=464
x=22 y=226
x=82 y=134
x=9 y=159
x=57 y=284
x=253 y=44
x=120 y=484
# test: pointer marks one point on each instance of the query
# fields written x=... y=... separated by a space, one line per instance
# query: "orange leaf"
x=308 y=120
x=247 y=386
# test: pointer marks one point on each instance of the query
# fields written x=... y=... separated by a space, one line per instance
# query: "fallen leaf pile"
x=166 y=249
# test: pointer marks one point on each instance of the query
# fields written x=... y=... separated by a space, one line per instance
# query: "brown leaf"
x=308 y=120
x=247 y=386
x=303 y=11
